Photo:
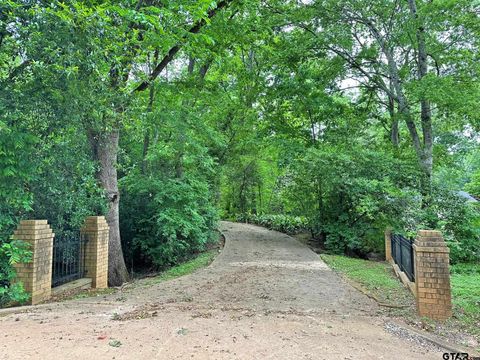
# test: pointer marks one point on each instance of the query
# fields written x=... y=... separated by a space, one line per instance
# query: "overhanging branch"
x=175 y=49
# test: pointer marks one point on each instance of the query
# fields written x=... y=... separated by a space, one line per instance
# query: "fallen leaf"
x=115 y=343
x=182 y=331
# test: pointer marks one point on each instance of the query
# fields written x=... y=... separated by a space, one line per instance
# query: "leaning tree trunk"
x=105 y=149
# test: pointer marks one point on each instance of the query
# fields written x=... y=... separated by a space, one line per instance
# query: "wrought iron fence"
x=68 y=257
x=402 y=254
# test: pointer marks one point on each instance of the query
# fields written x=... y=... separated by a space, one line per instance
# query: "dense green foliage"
x=343 y=117
x=283 y=223
x=12 y=252
x=334 y=142
x=166 y=221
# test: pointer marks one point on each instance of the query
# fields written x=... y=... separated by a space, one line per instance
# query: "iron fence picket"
x=402 y=254
x=68 y=257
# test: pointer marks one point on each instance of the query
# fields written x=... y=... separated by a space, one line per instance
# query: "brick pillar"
x=96 y=230
x=432 y=276
x=36 y=275
x=388 y=244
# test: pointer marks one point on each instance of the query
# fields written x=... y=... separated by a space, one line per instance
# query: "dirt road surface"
x=266 y=296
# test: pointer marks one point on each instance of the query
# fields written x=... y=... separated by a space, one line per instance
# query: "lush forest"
x=340 y=118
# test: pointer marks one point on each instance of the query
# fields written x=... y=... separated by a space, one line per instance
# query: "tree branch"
x=175 y=49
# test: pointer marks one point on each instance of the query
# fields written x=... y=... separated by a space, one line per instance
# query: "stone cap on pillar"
x=430 y=240
x=33 y=225
x=30 y=230
x=33 y=222
x=430 y=234
x=95 y=223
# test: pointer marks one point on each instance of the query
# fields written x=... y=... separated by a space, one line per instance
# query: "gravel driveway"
x=266 y=296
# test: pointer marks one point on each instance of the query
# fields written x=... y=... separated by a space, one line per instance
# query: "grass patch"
x=188 y=267
x=379 y=279
x=465 y=282
x=376 y=277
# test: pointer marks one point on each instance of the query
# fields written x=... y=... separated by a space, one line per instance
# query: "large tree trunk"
x=105 y=149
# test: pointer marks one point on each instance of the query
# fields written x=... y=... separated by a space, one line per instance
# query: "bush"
x=165 y=221
x=17 y=171
x=459 y=222
x=349 y=196
x=12 y=252
x=457 y=219
x=283 y=223
x=465 y=269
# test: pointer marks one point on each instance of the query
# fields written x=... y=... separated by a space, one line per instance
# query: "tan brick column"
x=388 y=244
x=36 y=275
x=96 y=230
x=432 y=276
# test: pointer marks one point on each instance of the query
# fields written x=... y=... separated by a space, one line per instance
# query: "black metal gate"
x=68 y=257
x=402 y=254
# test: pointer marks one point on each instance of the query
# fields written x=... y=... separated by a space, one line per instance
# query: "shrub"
x=459 y=222
x=349 y=196
x=165 y=221
x=283 y=223
x=12 y=252
x=457 y=219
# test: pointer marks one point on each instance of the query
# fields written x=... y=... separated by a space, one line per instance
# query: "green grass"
x=379 y=279
x=188 y=267
x=465 y=282
x=376 y=277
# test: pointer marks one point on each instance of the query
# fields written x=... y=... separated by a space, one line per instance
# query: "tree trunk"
x=426 y=112
x=423 y=150
x=423 y=147
x=105 y=149
x=394 y=132
x=146 y=138
x=146 y=145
